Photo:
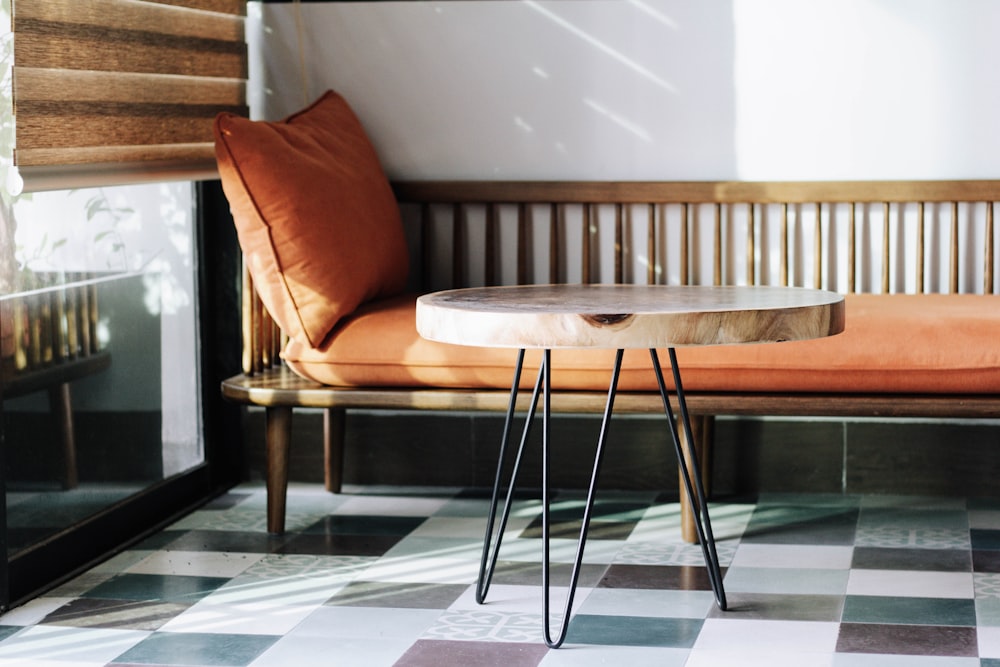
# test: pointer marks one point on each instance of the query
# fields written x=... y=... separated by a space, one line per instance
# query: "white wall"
x=648 y=89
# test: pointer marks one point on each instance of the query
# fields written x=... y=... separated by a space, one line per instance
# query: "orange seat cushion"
x=891 y=344
x=316 y=218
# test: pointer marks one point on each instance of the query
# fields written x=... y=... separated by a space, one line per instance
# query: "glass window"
x=99 y=352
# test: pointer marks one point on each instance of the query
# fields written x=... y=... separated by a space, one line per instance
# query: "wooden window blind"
x=122 y=91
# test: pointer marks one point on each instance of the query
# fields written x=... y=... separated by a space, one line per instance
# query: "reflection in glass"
x=99 y=353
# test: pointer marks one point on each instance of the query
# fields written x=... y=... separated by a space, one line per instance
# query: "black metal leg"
x=493 y=539
x=488 y=562
x=598 y=457
x=492 y=542
x=696 y=491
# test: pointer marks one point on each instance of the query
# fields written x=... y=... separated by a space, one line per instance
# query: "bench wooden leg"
x=61 y=405
x=333 y=447
x=701 y=431
x=278 y=443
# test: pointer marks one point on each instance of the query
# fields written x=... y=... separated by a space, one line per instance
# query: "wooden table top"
x=627 y=316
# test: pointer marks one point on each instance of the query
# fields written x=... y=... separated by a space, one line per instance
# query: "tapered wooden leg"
x=279 y=439
x=333 y=447
x=61 y=405
x=701 y=431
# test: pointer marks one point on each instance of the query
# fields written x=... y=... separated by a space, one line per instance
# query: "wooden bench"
x=883 y=238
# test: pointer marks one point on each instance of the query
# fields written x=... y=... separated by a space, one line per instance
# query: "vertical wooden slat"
x=490 y=243
x=426 y=247
x=685 y=245
x=246 y=318
x=921 y=251
x=266 y=339
x=555 y=257
x=818 y=248
x=852 y=248
x=784 y=244
x=751 y=250
x=988 y=259
x=585 y=250
x=619 y=245
x=522 y=243
x=652 y=255
x=85 y=345
x=717 y=247
x=953 y=249
x=458 y=264
x=885 y=247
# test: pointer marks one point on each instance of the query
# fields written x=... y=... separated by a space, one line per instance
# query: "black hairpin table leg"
x=494 y=538
x=693 y=485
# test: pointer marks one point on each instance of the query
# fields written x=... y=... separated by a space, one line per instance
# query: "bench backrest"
x=847 y=236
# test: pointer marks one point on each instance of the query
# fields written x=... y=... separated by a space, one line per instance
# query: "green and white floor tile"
x=387 y=577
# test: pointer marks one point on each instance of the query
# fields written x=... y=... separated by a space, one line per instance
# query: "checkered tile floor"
x=386 y=577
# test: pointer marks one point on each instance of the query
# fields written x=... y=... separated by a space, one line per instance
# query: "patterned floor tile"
x=487 y=625
x=121 y=614
x=431 y=653
x=786 y=581
x=795 y=556
x=776 y=637
x=939 y=560
x=985 y=540
x=383 y=576
x=170 y=648
x=530 y=574
x=401 y=595
x=787 y=524
x=904 y=583
x=890 y=660
x=909 y=610
x=639 y=602
x=634 y=631
x=986 y=561
x=774 y=607
x=661 y=577
x=212 y=564
x=660 y=553
x=54 y=645
x=902 y=537
x=168 y=588
x=243 y=619
x=242 y=541
x=987 y=584
x=601 y=656
x=907 y=639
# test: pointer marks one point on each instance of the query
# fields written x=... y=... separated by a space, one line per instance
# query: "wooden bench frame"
x=750 y=207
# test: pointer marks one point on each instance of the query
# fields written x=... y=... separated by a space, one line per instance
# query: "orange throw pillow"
x=315 y=215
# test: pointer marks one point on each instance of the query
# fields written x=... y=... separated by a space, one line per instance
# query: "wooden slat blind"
x=123 y=90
